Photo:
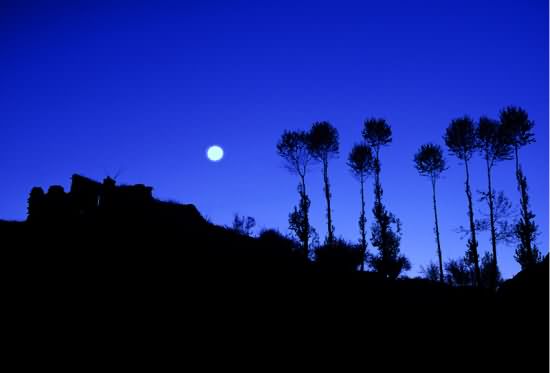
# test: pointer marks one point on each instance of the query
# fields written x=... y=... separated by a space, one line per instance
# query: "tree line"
x=494 y=140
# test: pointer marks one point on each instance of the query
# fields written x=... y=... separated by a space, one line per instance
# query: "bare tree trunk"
x=377 y=175
x=473 y=241
x=362 y=223
x=437 y=234
x=330 y=233
x=303 y=197
x=517 y=163
x=493 y=229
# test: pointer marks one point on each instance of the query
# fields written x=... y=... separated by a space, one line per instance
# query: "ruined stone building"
x=87 y=198
x=95 y=202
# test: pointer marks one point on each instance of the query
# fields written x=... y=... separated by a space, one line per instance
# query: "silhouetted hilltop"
x=535 y=277
x=126 y=224
x=527 y=294
x=103 y=246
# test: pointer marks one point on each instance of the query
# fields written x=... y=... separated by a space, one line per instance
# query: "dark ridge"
x=106 y=257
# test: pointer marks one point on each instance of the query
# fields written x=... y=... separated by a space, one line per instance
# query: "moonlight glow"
x=214 y=153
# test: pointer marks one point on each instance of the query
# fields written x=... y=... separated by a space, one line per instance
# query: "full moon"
x=214 y=153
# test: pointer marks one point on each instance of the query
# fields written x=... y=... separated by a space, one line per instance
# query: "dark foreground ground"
x=173 y=294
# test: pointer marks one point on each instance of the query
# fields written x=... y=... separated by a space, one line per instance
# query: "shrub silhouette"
x=431 y=272
x=338 y=256
x=273 y=239
x=243 y=224
x=459 y=273
x=489 y=279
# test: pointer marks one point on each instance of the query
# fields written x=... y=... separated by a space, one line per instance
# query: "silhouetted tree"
x=460 y=138
x=243 y=224
x=527 y=254
x=360 y=161
x=494 y=147
x=293 y=147
x=518 y=131
x=324 y=144
x=390 y=263
x=429 y=161
x=503 y=212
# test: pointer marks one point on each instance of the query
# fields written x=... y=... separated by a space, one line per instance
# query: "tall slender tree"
x=429 y=161
x=324 y=145
x=493 y=148
x=360 y=161
x=518 y=129
x=460 y=138
x=390 y=263
x=294 y=148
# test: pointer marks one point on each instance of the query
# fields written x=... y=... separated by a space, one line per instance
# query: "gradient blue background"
x=145 y=87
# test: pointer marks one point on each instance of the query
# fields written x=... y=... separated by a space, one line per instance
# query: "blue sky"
x=143 y=88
